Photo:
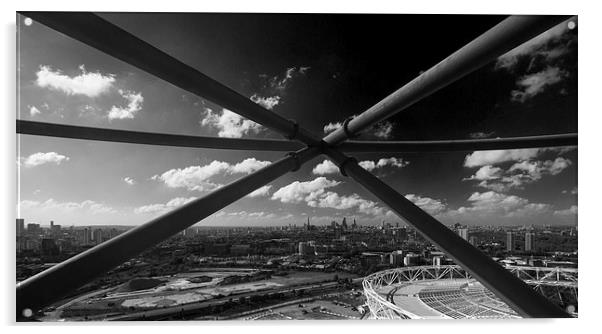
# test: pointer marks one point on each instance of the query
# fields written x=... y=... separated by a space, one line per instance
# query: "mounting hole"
x=27 y=21
x=27 y=312
x=570 y=308
x=571 y=25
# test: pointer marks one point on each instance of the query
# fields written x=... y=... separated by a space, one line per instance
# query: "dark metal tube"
x=149 y=138
x=93 y=30
x=498 y=40
x=518 y=295
x=569 y=139
x=50 y=285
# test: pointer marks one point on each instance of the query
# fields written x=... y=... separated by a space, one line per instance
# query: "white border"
x=589 y=158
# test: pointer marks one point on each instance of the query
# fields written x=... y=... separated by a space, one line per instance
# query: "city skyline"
x=318 y=82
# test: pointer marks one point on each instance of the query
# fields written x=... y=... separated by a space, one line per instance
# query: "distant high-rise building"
x=34 y=229
x=411 y=259
x=97 y=236
x=354 y=225
x=87 y=237
x=344 y=224
x=529 y=241
x=20 y=226
x=396 y=258
x=306 y=248
x=463 y=232
x=509 y=241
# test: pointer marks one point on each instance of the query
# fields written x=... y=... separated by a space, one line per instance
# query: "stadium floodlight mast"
x=50 y=285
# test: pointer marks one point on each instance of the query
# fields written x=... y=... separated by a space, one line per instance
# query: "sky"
x=317 y=70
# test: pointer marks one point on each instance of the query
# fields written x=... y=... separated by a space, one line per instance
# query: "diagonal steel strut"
x=149 y=138
x=93 y=30
x=518 y=295
x=52 y=284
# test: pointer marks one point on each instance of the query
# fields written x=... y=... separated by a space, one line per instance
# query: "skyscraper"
x=20 y=226
x=463 y=232
x=509 y=241
x=529 y=241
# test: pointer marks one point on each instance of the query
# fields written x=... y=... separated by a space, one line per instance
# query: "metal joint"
x=346 y=128
x=293 y=135
x=295 y=159
x=345 y=162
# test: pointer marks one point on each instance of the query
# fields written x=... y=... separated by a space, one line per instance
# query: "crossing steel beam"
x=114 y=41
x=498 y=40
x=569 y=139
x=52 y=284
x=504 y=284
x=149 y=138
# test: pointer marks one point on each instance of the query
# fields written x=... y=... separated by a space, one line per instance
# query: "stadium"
x=449 y=292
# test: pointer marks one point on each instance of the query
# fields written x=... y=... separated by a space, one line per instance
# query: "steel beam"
x=569 y=139
x=149 y=138
x=498 y=40
x=50 y=285
x=94 y=31
x=504 y=284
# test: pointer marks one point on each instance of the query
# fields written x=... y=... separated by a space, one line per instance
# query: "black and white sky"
x=318 y=70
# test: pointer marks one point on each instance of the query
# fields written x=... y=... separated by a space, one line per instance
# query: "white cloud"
x=91 y=84
x=370 y=165
x=383 y=130
x=193 y=177
x=519 y=174
x=161 y=208
x=229 y=124
x=489 y=204
x=298 y=192
x=539 y=46
x=480 y=135
x=248 y=166
x=197 y=177
x=487 y=172
x=430 y=205
x=328 y=167
x=129 y=180
x=134 y=105
x=572 y=211
x=90 y=206
x=332 y=126
x=492 y=157
x=268 y=102
x=33 y=111
x=333 y=200
x=261 y=192
x=40 y=158
x=572 y=191
x=281 y=82
x=535 y=83
x=325 y=167
x=314 y=194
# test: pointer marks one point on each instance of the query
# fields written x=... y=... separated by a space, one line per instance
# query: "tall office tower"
x=20 y=226
x=97 y=236
x=87 y=236
x=463 y=232
x=509 y=241
x=529 y=241
x=34 y=229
